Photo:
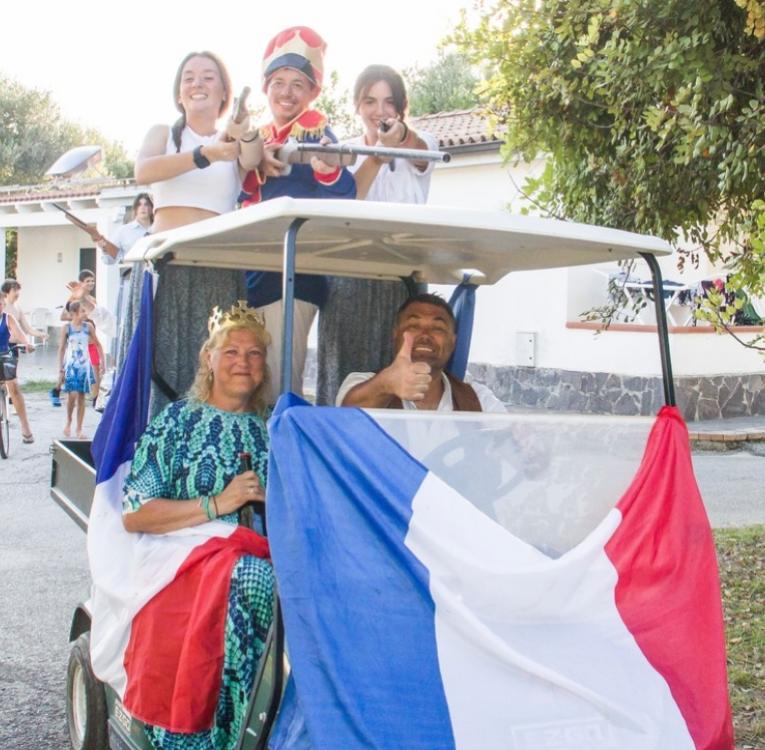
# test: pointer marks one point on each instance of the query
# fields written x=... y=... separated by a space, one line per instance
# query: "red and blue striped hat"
x=297 y=47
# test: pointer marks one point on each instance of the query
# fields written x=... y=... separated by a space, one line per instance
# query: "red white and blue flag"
x=494 y=601
x=158 y=601
x=476 y=582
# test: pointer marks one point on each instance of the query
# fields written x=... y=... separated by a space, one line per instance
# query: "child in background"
x=75 y=366
x=96 y=354
x=81 y=291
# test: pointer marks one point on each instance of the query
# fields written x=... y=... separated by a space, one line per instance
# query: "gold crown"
x=239 y=314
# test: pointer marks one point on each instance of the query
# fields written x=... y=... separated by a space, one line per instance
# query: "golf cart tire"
x=86 y=715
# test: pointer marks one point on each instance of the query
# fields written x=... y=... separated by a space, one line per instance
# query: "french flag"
x=158 y=601
x=482 y=613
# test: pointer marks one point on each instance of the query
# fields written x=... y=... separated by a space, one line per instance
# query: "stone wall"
x=698 y=398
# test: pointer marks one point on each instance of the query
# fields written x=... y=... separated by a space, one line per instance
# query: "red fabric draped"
x=668 y=592
x=174 y=659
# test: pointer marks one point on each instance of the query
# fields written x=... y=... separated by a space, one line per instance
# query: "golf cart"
x=361 y=239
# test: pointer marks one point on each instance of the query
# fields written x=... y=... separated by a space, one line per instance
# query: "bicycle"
x=5 y=412
x=7 y=371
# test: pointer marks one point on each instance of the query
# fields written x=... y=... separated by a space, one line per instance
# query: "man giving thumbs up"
x=424 y=339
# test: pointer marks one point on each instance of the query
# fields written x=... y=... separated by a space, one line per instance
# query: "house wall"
x=49 y=256
x=481 y=180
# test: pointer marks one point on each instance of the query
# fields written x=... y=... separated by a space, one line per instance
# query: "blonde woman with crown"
x=186 y=472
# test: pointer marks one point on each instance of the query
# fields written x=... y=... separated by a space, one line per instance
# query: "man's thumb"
x=405 y=352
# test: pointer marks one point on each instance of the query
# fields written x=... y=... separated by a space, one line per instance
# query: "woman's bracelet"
x=200 y=160
x=204 y=504
x=406 y=132
x=254 y=138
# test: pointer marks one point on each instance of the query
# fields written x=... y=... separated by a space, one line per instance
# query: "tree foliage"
x=445 y=85
x=335 y=103
x=11 y=253
x=33 y=134
x=652 y=114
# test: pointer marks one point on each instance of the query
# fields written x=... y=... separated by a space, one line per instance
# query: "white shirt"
x=214 y=188
x=127 y=235
x=489 y=402
x=406 y=184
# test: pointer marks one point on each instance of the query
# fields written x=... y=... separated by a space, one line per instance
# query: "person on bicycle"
x=10 y=331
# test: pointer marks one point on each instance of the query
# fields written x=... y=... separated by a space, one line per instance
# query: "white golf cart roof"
x=437 y=244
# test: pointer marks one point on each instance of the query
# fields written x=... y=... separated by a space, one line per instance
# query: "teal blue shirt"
x=191 y=449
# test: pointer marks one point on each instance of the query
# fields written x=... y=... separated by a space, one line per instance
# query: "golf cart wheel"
x=85 y=700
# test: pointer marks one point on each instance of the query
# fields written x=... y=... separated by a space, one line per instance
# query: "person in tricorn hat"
x=293 y=67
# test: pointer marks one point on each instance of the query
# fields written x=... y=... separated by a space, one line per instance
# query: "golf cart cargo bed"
x=73 y=478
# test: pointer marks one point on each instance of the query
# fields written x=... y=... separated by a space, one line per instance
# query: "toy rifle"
x=240 y=105
x=384 y=127
x=345 y=154
x=91 y=230
x=239 y=110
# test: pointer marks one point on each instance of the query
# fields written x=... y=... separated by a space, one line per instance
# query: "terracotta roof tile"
x=59 y=191
x=462 y=128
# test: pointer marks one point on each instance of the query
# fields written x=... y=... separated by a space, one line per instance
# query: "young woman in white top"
x=381 y=102
x=380 y=98
x=194 y=173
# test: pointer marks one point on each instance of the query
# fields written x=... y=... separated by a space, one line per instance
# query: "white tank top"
x=215 y=188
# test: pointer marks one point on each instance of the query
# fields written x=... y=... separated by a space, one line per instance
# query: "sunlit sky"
x=111 y=65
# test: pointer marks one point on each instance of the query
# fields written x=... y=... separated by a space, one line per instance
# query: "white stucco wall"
x=49 y=254
x=480 y=180
x=48 y=258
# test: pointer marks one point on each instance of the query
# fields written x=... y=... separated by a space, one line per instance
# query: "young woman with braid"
x=194 y=173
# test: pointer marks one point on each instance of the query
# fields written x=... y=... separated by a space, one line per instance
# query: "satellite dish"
x=74 y=161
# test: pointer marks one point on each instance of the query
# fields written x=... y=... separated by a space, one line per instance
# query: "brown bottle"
x=247 y=512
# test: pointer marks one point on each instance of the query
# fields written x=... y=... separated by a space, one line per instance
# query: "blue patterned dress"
x=189 y=450
x=78 y=370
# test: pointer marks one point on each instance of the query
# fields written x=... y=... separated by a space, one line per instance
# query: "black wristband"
x=200 y=159
x=406 y=132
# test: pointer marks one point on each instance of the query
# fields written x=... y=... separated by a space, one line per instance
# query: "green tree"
x=445 y=85
x=33 y=134
x=652 y=114
x=11 y=245
x=114 y=159
x=335 y=103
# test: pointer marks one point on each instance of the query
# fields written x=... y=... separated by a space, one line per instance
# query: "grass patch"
x=741 y=555
x=37 y=386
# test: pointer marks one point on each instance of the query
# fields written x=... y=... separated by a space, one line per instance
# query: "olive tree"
x=33 y=134
x=444 y=85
